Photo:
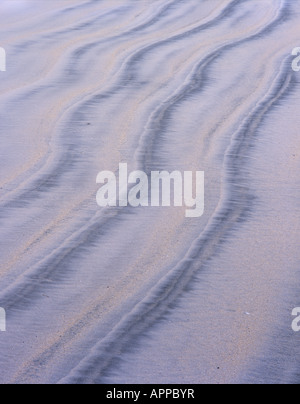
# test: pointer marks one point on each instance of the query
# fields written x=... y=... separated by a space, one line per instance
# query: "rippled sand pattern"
x=146 y=295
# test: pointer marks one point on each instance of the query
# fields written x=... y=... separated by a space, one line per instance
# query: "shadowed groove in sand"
x=232 y=209
x=43 y=176
x=23 y=287
x=125 y=76
x=235 y=201
x=62 y=164
x=196 y=83
x=161 y=298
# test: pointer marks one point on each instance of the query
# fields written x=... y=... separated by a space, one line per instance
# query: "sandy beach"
x=146 y=294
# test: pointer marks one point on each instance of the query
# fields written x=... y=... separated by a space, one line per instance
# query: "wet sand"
x=146 y=295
